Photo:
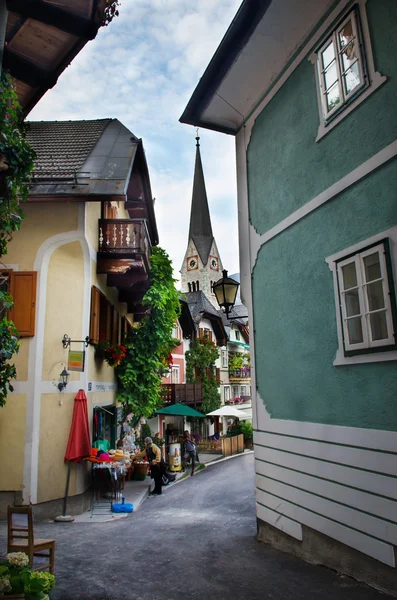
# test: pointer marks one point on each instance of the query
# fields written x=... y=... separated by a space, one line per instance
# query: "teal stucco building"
x=309 y=90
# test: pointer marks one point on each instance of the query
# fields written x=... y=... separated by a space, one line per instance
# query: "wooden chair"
x=21 y=538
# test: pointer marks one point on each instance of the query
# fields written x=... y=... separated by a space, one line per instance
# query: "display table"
x=107 y=481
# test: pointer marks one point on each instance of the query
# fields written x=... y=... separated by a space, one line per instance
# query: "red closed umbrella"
x=79 y=443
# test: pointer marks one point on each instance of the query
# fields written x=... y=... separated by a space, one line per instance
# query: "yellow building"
x=78 y=267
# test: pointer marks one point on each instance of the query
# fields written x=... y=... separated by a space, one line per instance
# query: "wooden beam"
x=55 y=16
x=27 y=72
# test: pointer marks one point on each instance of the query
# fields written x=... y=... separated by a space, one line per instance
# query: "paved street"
x=195 y=542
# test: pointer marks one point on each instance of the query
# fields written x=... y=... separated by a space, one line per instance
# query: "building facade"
x=316 y=143
x=77 y=267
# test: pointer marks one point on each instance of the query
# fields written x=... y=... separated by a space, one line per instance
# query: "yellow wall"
x=92 y=214
x=20 y=360
x=55 y=424
x=12 y=442
x=64 y=308
x=42 y=220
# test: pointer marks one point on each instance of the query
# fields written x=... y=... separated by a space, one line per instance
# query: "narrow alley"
x=196 y=541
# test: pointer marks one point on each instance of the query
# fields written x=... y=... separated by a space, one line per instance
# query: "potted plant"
x=18 y=580
x=248 y=432
x=112 y=354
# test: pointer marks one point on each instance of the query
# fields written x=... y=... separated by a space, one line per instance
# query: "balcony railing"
x=243 y=373
x=186 y=393
x=124 y=237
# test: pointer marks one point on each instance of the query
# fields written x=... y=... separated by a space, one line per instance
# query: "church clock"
x=192 y=263
x=214 y=264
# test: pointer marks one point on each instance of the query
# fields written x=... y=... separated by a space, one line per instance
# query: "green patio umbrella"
x=180 y=410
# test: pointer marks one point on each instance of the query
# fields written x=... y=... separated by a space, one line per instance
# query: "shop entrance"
x=105 y=424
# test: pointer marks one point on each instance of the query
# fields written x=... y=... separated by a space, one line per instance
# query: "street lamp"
x=64 y=377
x=225 y=291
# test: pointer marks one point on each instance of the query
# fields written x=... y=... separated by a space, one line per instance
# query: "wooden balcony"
x=124 y=250
x=186 y=393
x=240 y=374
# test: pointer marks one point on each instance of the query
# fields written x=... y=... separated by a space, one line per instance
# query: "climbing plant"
x=149 y=345
x=16 y=166
x=200 y=368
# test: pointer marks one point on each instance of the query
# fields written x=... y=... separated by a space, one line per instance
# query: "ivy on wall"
x=200 y=368
x=16 y=166
x=150 y=344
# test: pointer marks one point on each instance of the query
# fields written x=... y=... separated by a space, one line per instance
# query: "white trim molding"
x=35 y=362
x=340 y=358
x=367 y=167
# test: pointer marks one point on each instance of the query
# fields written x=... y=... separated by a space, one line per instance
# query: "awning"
x=228 y=411
x=180 y=410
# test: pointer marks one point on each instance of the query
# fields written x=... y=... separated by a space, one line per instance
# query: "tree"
x=200 y=368
x=149 y=345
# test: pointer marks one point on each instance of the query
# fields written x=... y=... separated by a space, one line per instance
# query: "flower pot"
x=248 y=444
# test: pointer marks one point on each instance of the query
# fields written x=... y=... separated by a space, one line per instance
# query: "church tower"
x=202 y=265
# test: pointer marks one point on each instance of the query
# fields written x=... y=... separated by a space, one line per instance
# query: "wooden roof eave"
x=63 y=34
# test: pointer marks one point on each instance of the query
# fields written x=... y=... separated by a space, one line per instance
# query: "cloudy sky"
x=142 y=70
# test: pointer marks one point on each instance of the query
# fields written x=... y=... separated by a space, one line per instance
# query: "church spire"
x=200 y=230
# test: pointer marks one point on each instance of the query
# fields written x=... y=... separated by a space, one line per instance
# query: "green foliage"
x=149 y=345
x=145 y=432
x=238 y=360
x=16 y=158
x=200 y=368
x=244 y=427
x=16 y=166
x=9 y=346
x=21 y=579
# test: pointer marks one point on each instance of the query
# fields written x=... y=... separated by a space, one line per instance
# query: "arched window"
x=193 y=287
x=197 y=286
x=190 y=287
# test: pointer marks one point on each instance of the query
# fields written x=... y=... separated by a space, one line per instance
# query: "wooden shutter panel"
x=115 y=327
x=201 y=333
x=23 y=291
x=94 y=321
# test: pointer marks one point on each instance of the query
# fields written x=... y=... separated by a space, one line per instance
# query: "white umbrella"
x=228 y=411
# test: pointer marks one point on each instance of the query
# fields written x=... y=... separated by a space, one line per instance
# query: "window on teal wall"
x=367 y=300
x=341 y=66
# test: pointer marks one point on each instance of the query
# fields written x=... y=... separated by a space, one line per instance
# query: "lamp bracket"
x=66 y=341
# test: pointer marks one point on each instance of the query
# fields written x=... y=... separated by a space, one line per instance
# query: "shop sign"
x=76 y=360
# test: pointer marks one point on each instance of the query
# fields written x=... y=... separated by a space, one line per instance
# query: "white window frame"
x=175 y=369
x=226 y=388
x=224 y=359
x=243 y=387
x=374 y=78
x=362 y=285
x=341 y=359
x=237 y=335
x=338 y=51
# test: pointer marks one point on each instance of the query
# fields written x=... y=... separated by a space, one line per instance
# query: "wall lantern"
x=225 y=291
x=64 y=378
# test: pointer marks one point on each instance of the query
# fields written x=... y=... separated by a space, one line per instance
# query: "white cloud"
x=142 y=70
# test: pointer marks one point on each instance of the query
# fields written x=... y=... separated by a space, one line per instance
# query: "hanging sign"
x=76 y=360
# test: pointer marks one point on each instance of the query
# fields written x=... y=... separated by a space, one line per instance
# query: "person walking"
x=153 y=453
x=189 y=451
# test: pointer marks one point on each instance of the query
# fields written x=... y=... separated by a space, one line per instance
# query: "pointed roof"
x=200 y=230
